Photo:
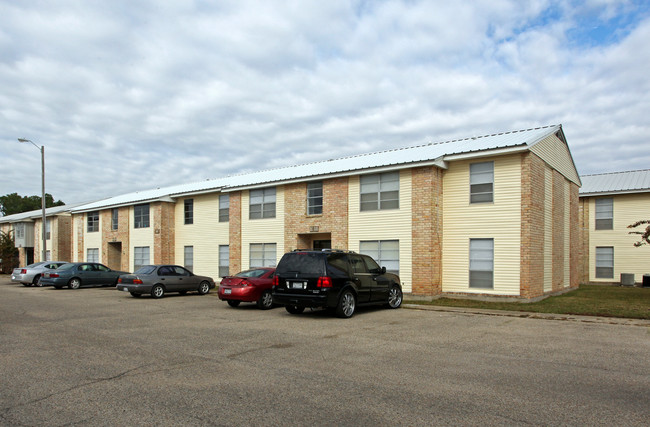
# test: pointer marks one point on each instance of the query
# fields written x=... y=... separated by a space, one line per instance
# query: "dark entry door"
x=322 y=244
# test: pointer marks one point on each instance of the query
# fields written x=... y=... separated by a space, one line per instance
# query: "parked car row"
x=336 y=280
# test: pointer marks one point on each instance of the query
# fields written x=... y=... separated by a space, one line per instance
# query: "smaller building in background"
x=609 y=203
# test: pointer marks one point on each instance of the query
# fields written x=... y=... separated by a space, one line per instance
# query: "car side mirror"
x=383 y=270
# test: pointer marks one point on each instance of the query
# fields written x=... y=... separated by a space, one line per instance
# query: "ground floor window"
x=605 y=262
x=385 y=252
x=92 y=255
x=224 y=260
x=481 y=263
x=188 y=257
x=262 y=255
x=140 y=256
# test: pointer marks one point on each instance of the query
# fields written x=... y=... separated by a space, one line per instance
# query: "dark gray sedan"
x=157 y=280
x=77 y=274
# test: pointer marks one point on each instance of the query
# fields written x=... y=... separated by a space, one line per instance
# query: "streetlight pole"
x=42 y=150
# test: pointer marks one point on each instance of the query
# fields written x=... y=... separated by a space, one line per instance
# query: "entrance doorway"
x=322 y=244
x=29 y=256
x=115 y=255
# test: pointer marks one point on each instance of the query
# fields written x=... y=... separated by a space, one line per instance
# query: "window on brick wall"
x=19 y=230
x=262 y=255
x=115 y=216
x=385 y=252
x=224 y=207
x=481 y=182
x=224 y=260
x=188 y=205
x=92 y=219
x=188 y=257
x=140 y=256
x=262 y=203
x=92 y=255
x=481 y=263
x=141 y=216
x=380 y=191
x=605 y=262
x=605 y=214
x=315 y=198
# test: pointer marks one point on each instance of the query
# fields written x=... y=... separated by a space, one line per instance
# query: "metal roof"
x=35 y=214
x=616 y=182
x=431 y=153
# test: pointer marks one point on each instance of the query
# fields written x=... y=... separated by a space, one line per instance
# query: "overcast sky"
x=132 y=95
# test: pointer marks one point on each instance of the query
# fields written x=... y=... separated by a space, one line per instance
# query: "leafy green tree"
x=645 y=235
x=8 y=252
x=13 y=203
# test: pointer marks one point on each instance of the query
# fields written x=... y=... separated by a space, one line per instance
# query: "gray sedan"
x=31 y=275
x=157 y=280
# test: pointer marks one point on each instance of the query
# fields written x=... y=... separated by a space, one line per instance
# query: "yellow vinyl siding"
x=140 y=237
x=556 y=153
x=500 y=220
x=265 y=230
x=548 y=229
x=628 y=209
x=567 y=234
x=204 y=235
x=390 y=224
x=92 y=240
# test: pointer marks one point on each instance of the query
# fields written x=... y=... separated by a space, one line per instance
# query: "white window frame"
x=262 y=255
x=604 y=213
x=188 y=258
x=604 y=262
x=141 y=219
x=224 y=260
x=92 y=254
x=385 y=252
x=224 y=207
x=379 y=191
x=188 y=211
x=262 y=203
x=141 y=256
x=481 y=263
x=481 y=182
x=92 y=222
x=315 y=198
x=115 y=218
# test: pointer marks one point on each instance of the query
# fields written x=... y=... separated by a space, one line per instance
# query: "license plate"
x=298 y=285
x=227 y=291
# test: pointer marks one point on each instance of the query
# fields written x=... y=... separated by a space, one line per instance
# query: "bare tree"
x=645 y=235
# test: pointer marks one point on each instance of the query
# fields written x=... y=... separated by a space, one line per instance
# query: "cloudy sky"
x=128 y=95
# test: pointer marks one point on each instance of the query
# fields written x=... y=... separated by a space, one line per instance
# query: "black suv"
x=333 y=279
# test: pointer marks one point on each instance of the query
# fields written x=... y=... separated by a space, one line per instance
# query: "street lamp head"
x=23 y=140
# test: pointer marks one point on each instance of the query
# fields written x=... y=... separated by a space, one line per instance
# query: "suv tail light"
x=119 y=280
x=276 y=281
x=324 y=282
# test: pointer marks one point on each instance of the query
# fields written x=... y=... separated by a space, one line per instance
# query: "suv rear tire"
x=347 y=304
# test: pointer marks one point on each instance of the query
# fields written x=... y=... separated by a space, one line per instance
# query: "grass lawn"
x=588 y=300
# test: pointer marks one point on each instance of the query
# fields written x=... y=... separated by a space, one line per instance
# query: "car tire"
x=294 y=309
x=74 y=283
x=58 y=287
x=266 y=300
x=39 y=283
x=134 y=295
x=347 y=304
x=204 y=288
x=395 y=297
x=158 y=291
x=36 y=280
x=233 y=303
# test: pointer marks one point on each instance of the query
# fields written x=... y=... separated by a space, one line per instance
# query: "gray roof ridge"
x=615 y=173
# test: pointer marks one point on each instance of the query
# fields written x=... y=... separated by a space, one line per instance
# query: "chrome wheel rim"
x=267 y=300
x=74 y=284
x=347 y=304
x=158 y=292
x=204 y=288
x=395 y=298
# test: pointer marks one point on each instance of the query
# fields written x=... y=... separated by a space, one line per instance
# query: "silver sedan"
x=31 y=275
x=157 y=280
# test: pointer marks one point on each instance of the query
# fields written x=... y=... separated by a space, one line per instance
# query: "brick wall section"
x=62 y=235
x=575 y=255
x=558 y=231
x=234 y=223
x=333 y=223
x=532 y=226
x=426 y=205
x=583 y=269
x=79 y=224
x=163 y=229
x=120 y=235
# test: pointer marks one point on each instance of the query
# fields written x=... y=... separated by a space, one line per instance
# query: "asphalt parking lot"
x=100 y=357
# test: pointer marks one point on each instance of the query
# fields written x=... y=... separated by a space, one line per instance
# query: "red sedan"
x=252 y=285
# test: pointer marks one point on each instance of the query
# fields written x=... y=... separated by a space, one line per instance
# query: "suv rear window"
x=303 y=263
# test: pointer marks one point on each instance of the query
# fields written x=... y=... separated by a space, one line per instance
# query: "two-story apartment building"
x=495 y=215
x=609 y=203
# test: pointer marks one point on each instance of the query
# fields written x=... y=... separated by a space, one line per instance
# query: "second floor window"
x=315 y=198
x=380 y=191
x=189 y=211
x=141 y=216
x=605 y=214
x=224 y=207
x=262 y=203
x=114 y=218
x=481 y=182
x=19 y=229
x=93 y=221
